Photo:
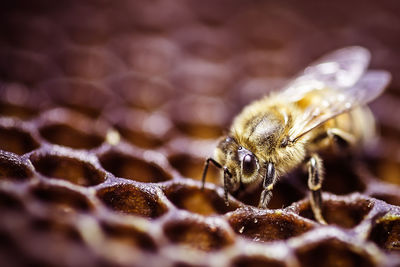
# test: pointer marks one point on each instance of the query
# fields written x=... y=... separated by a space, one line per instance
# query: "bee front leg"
x=268 y=185
x=315 y=178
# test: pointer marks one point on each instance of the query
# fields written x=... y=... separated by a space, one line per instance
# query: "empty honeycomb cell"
x=153 y=55
x=386 y=169
x=67 y=168
x=143 y=129
x=198 y=235
x=267 y=225
x=333 y=253
x=130 y=167
x=34 y=33
x=152 y=18
x=263 y=63
x=93 y=28
x=129 y=235
x=64 y=199
x=268 y=37
x=84 y=96
x=344 y=213
x=16 y=140
x=199 y=130
x=18 y=111
x=11 y=167
x=386 y=233
x=194 y=199
x=185 y=264
x=255 y=261
x=283 y=195
x=189 y=166
x=340 y=176
x=65 y=135
x=207 y=42
x=140 y=90
x=202 y=77
x=88 y=63
x=37 y=67
x=52 y=226
x=141 y=139
x=130 y=199
x=9 y=201
x=204 y=117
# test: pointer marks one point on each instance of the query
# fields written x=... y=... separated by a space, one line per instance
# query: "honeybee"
x=323 y=107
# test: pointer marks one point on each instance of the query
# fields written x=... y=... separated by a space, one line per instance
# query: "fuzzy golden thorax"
x=260 y=131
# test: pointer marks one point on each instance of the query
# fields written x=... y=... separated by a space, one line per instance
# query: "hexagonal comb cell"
x=37 y=67
x=81 y=95
x=88 y=63
x=386 y=169
x=204 y=117
x=143 y=129
x=129 y=235
x=64 y=199
x=283 y=195
x=11 y=167
x=65 y=135
x=341 y=177
x=267 y=226
x=49 y=226
x=16 y=140
x=18 y=111
x=189 y=166
x=345 y=212
x=141 y=90
x=141 y=139
x=131 y=199
x=255 y=261
x=9 y=201
x=197 y=234
x=191 y=198
x=67 y=168
x=386 y=233
x=130 y=167
x=333 y=253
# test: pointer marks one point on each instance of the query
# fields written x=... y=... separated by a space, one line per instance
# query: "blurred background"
x=174 y=55
x=169 y=76
x=172 y=74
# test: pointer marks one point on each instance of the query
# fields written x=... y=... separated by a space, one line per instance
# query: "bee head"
x=240 y=165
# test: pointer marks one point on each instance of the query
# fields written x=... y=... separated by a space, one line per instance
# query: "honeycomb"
x=109 y=108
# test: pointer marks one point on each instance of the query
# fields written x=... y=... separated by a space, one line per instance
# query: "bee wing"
x=339 y=69
x=336 y=102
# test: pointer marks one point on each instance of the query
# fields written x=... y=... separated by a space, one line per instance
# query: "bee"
x=321 y=108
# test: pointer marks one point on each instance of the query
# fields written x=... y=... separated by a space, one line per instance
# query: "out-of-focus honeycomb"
x=168 y=77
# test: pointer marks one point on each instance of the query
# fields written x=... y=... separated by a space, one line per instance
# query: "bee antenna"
x=203 y=178
x=227 y=175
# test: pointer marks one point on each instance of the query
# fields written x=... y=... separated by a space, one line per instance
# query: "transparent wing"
x=336 y=102
x=338 y=70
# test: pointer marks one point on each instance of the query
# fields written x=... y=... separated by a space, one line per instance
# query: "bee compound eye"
x=249 y=165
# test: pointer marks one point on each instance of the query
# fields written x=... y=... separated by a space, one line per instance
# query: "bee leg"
x=203 y=178
x=341 y=138
x=227 y=176
x=268 y=185
x=315 y=178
